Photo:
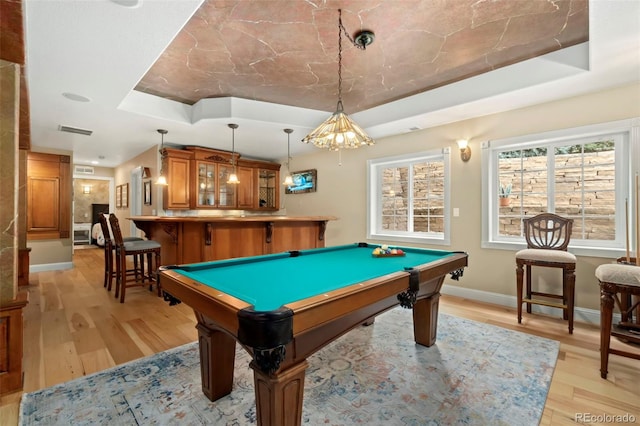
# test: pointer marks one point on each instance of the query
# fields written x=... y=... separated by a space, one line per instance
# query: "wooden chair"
x=617 y=279
x=547 y=237
x=109 y=247
x=133 y=248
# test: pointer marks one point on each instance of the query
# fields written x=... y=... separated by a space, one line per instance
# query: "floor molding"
x=588 y=316
x=50 y=267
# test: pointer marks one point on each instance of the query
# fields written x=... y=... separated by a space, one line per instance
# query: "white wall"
x=342 y=189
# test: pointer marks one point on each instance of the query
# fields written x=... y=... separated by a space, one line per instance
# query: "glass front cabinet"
x=259 y=187
x=268 y=189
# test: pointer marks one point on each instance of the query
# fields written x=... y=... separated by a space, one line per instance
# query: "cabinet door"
x=246 y=188
x=226 y=191
x=268 y=189
x=206 y=185
x=176 y=195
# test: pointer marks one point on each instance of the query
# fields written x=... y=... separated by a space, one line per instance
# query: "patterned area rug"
x=475 y=374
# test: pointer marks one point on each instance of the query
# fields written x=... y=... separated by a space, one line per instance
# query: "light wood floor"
x=74 y=327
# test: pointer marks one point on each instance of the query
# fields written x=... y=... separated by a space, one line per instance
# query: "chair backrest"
x=548 y=231
x=115 y=228
x=104 y=226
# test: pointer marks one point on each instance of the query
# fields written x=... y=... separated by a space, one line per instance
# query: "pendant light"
x=233 y=177
x=339 y=131
x=288 y=180
x=162 y=180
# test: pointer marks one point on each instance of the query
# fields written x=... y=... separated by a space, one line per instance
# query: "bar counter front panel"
x=202 y=239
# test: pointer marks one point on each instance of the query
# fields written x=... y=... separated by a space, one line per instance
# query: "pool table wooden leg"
x=217 y=359
x=279 y=396
x=425 y=320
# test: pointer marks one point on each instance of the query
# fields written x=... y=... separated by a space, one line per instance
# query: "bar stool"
x=616 y=279
x=547 y=237
x=109 y=247
x=133 y=248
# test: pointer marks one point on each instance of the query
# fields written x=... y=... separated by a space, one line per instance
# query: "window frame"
x=374 y=197
x=625 y=163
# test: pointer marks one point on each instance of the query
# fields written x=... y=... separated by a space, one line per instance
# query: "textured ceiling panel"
x=286 y=52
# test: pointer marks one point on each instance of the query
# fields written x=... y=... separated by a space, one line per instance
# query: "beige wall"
x=342 y=190
x=83 y=203
x=149 y=158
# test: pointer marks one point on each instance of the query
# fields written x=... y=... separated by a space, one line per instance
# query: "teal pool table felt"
x=271 y=281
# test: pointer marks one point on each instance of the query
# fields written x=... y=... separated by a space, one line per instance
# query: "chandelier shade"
x=339 y=131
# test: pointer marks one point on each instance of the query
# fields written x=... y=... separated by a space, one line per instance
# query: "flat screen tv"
x=303 y=181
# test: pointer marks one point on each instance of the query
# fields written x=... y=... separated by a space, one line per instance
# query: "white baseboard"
x=51 y=267
x=589 y=316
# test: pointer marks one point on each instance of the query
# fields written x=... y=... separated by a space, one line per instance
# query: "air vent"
x=75 y=130
x=83 y=170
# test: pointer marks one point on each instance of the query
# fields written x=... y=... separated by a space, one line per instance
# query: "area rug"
x=475 y=374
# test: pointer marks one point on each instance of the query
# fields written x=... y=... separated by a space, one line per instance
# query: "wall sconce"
x=465 y=151
x=86 y=189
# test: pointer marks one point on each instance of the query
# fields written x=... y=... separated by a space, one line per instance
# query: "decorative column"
x=11 y=301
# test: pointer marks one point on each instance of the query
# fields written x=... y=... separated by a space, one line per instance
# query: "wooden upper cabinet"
x=209 y=180
x=246 y=188
x=198 y=178
x=176 y=167
x=266 y=184
x=48 y=196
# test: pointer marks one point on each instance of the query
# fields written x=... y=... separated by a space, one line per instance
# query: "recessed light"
x=75 y=97
x=94 y=162
x=127 y=3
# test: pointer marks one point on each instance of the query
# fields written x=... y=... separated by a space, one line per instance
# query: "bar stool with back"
x=109 y=247
x=547 y=237
x=133 y=248
x=617 y=282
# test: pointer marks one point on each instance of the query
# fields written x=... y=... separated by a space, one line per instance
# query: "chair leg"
x=149 y=271
x=123 y=275
x=606 y=319
x=118 y=274
x=155 y=273
x=106 y=267
x=528 y=279
x=570 y=279
x=136 y=268
x=111 y=271
x=519 y=273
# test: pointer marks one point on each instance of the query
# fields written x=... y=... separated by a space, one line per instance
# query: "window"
x=409 y=198
x=581 y=173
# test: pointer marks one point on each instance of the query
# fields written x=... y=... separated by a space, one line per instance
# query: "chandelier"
x=339 y=131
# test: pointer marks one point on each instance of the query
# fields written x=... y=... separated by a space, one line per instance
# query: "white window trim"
x=374 y=184
x=629 y=168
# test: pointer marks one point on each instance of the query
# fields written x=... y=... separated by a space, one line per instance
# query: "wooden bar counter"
x=195 y=239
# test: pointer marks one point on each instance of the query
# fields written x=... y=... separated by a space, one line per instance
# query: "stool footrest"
x=545 y=303
x=552 y=296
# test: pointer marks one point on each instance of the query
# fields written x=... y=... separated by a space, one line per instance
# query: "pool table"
x=282 y=308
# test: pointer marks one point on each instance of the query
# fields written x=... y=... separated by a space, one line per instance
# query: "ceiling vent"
x=83 y=170
x=75 y=130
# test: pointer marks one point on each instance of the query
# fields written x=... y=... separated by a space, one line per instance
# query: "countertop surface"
x=256 y=218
